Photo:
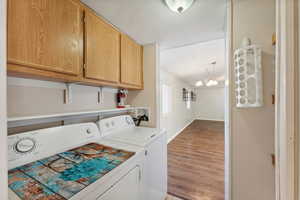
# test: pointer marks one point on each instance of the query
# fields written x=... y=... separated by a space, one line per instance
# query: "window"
x=166 y=99
x=188 y=104
x=189 y=98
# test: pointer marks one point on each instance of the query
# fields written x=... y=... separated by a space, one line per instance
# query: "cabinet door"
x=131 y=62
x=45 y=34
x=102 y=50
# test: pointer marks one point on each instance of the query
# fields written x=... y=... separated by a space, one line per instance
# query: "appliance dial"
x=88 y=131
x=128 y=121
x=25 y=145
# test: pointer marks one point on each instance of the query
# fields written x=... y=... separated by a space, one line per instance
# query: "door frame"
x=3 y=107
x=286 y=128
x=228 y=102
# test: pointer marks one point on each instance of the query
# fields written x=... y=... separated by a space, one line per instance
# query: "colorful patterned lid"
x=62 y=176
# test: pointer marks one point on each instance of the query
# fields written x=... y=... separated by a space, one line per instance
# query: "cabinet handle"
x=146 y=153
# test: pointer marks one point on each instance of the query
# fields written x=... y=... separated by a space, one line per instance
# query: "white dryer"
x=154 y=141
x=73 y=162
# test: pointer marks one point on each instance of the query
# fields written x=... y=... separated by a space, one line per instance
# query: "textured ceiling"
x=149 y=21
x=191 y=63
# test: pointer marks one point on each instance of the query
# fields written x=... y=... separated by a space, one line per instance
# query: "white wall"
x=179 y=116
x=3 y=129
x=34 y=97
x=253 y=129
x=210 y=104
x=149 y=96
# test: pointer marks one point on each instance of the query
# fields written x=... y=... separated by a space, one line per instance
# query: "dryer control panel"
x=113 y=124
x=30 y=146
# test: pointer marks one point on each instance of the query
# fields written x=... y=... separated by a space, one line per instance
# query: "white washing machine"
x=122 y=129
x=73 y=162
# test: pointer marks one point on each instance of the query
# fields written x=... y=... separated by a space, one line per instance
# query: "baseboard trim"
x=205 y=119
x=209 y=119
x=177 y=196
x=175 y=135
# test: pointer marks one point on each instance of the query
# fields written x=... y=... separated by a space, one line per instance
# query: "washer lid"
x=66 y=174
x=139 y=136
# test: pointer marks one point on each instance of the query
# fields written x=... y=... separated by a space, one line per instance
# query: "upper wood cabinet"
x=45 y=35
x=131 y=62
x=102 y=50
x=63 y=40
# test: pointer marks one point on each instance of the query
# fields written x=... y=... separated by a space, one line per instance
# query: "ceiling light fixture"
x=199 y=84
x=211 y=81
x=179 y=6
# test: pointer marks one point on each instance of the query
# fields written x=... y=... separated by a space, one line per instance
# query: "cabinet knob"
x=25 y=145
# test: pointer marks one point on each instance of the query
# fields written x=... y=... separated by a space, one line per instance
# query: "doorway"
x=192 y=82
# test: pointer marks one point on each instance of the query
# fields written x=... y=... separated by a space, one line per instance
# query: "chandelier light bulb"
x=212 y=83
x=209 y=83
x=199 y=84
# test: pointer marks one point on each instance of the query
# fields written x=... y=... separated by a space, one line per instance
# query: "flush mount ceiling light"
x=179 y=6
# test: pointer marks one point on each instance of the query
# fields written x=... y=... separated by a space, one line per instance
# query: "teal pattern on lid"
x=62 y=176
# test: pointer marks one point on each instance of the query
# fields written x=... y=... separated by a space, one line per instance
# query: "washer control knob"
x=128 y=121
x=88 y=131
x=25 y=145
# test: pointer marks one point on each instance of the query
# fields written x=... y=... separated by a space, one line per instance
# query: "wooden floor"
x=169 y=197
x=196 y=162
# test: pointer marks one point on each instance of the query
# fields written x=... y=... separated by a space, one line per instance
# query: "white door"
x=128 y=188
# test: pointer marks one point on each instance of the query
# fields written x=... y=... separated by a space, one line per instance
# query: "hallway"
x=196 y=162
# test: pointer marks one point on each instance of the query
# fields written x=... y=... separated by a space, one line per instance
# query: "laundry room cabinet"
x=64 y=40
x=44 y=36
x=102 y=50
x=131 y=62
